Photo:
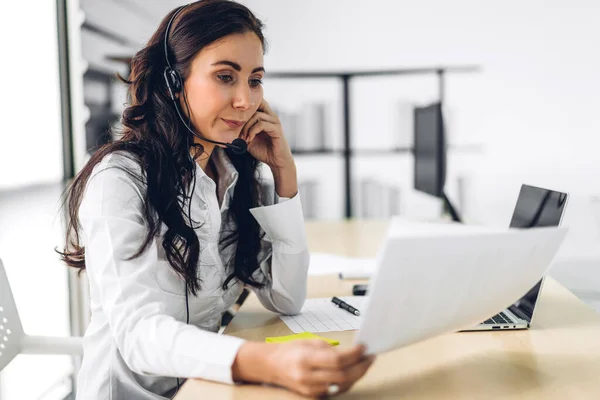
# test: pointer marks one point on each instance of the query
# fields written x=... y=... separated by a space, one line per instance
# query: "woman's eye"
x=224 y=78
x=256 y=82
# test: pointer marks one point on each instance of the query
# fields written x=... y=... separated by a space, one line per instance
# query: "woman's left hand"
x=264 y=134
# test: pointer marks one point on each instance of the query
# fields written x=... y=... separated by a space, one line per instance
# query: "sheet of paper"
x=326 y=264
x=431 y=285
x=363 y=268
x=322 y=315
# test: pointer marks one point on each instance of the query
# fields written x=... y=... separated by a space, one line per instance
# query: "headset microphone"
x=239 y=146
x=175 y=85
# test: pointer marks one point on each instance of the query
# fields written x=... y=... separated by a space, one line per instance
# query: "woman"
x=171 y=221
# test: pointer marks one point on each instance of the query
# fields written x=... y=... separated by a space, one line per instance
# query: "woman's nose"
x=243 y=97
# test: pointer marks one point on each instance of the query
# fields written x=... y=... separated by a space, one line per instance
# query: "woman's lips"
x=233 y=124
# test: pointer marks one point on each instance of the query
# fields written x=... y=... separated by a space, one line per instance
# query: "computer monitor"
x=429 y=150
x=430 y=154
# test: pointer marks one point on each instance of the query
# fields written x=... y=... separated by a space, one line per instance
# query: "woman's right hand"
x=307 y=367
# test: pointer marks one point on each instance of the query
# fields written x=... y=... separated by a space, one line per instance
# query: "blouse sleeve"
x=285 y=266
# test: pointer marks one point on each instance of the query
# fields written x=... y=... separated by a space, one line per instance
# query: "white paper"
x=427 y=286
x=322 y=315
x=364 y=267
x=327 y=264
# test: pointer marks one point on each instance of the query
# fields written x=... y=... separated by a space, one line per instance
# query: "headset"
x=175 y=85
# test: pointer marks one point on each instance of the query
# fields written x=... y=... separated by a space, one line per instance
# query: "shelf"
x=316 y=152
x=352 y=152
x=402 y=71
x=474 y=148
x=108 y=35
x=377 y=152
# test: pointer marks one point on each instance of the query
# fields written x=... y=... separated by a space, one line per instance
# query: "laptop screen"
x=536 y=207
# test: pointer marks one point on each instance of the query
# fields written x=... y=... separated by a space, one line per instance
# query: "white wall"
x=533 y=107
x=31 y=139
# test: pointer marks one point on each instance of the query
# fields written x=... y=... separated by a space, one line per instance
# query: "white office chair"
x=14 y=341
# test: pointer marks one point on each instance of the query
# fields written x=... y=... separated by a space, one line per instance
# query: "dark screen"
x=429 y=150
x=536 y=207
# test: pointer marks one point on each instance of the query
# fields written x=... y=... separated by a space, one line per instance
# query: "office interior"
x=518 y=85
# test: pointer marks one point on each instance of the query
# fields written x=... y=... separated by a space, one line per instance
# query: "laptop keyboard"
x=500 y=318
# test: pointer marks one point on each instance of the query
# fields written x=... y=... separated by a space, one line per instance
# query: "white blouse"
x=138 y=341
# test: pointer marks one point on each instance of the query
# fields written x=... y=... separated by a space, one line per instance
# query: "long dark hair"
x=154 y=134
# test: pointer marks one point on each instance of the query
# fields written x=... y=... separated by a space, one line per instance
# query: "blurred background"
x=516 y=83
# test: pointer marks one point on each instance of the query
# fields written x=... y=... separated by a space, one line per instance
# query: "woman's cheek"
x=257 y=99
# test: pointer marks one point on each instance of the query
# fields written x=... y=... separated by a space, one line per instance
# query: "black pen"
x=345 y=306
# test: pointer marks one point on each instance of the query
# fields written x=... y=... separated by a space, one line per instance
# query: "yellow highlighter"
x=300 y=336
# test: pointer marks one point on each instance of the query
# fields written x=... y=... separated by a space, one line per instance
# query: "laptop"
x=536 y=207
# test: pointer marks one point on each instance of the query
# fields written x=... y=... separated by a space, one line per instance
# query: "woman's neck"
x=204 y=158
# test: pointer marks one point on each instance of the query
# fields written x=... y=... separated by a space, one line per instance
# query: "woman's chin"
x=228 y=137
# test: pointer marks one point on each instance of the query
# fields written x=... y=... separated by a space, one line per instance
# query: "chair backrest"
x=11 y=330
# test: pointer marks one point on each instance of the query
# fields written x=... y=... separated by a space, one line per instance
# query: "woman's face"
x=224 y=83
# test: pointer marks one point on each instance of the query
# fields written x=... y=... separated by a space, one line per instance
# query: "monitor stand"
x=449 y=208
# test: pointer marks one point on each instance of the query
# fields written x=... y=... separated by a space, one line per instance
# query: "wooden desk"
x=559 y=358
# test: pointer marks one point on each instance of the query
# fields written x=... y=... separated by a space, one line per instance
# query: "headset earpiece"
x=173 y=81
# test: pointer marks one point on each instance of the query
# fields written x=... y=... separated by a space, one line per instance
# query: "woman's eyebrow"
x=236 y=66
